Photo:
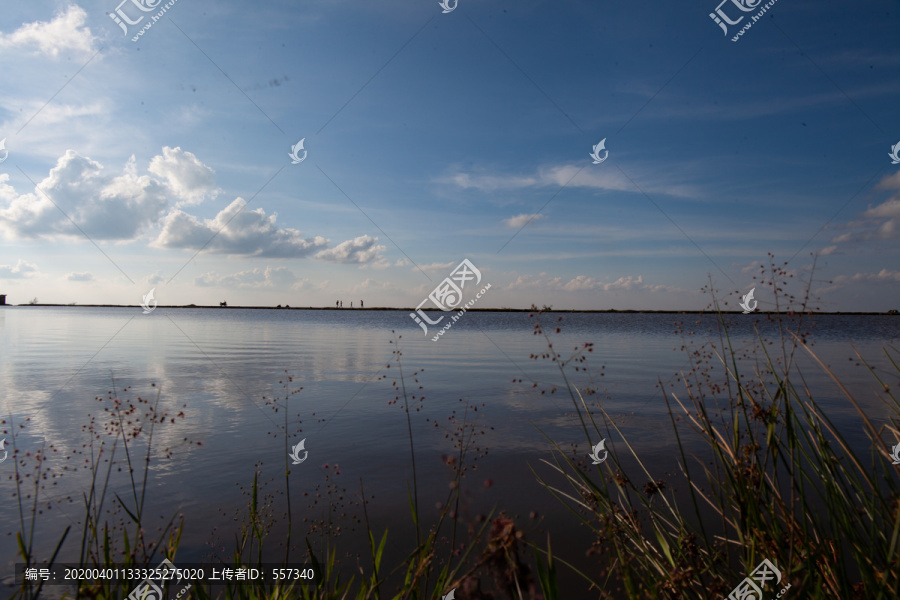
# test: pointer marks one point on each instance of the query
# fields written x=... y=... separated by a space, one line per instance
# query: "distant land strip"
x=391 y=308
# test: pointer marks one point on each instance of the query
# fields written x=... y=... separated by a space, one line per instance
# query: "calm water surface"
x=220 y=366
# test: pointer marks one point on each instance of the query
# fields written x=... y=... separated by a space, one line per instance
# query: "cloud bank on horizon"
x=164 y=162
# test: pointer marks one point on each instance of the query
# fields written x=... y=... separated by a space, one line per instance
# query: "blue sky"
x=431 y=137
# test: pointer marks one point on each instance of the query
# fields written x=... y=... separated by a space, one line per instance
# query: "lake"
x=222 y=368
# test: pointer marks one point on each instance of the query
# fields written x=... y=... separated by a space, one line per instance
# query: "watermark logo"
x=448 y=8
x=448 y=296
x=895 y=153
x=121 y=19
x=596 y=153
x=895 y=454
x=295 y=452
x=4 y=450
x=146 y=304
x=146 y=590
x=745 y=303
x=152 y=590
x=6 y=152
x=597 y=449
x=751 y=588
x=296 y=159
x=723 y=20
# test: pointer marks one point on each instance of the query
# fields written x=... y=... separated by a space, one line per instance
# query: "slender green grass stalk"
x=287 y=482
x=412 y=451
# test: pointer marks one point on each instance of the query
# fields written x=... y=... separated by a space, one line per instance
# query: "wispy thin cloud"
x=523 y=219
x=269 y=277
x=561 y=175
x=80 y=277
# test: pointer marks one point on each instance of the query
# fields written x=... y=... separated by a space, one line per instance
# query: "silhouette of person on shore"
x=342 y=304
x=361 y=305
x=337 y=303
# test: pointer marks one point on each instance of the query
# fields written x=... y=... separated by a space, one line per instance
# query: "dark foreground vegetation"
x=775 y=479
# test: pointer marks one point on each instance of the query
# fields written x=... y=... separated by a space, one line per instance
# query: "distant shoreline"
x=390 y=308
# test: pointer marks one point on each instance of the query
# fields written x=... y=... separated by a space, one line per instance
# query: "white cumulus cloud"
x=187 y=177
x=78 y=197
x=361 y=250
x=881 y=222
x=66 y=32
x=21 y=270
x=238 y=232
